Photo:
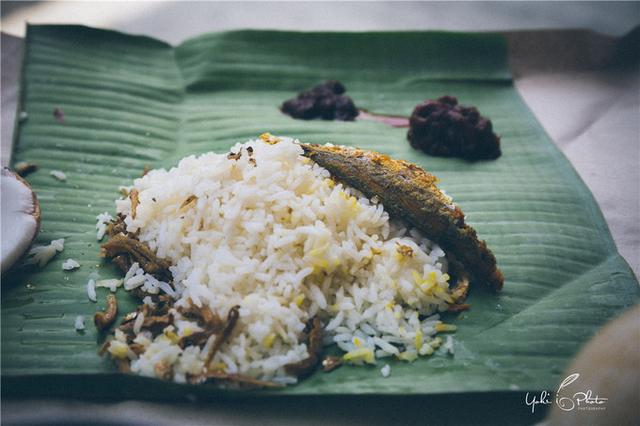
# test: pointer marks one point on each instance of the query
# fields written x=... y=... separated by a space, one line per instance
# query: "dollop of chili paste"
x=443 y=128
x=326 y=101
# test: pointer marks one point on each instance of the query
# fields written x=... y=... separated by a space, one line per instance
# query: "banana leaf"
x=130 y=102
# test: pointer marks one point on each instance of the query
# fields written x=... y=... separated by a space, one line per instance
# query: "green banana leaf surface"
x=131 y=101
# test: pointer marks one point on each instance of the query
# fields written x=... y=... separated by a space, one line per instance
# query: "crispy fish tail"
x=410 y=193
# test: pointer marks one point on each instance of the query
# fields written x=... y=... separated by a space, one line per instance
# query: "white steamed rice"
x=41 y=255
x=272 y=233
x=70 y=264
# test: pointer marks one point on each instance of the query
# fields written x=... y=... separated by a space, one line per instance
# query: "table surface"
x=586 y=99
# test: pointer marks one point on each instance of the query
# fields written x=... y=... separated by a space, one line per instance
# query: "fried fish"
x=410 y=193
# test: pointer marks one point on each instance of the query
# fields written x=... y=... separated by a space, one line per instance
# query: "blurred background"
x=176 y=21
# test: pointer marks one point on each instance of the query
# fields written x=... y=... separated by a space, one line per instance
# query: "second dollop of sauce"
x=444 y=128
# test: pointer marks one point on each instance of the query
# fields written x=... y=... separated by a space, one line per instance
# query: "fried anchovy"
x=103 y=320
x=410 y=193
x=156 y=318
x=117 y=226
x=207 y=319
x=154 y=324
x=314 y=349
x=121 y=244
x=232 y=319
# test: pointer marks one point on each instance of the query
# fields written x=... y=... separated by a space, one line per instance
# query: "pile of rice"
x=270 y=231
